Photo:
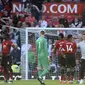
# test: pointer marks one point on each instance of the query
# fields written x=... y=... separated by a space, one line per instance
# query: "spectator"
x=63 y=21
x=16 y=18
x=43 y=22
x=34 y=10
x=55 y=22
x=24 y=24
x=50 y=24
x=76 y=23
x=7 y=6
x=31 y=19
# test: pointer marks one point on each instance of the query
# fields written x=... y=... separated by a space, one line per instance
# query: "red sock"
x=72 y=78
x=79 y=78
x=62 y=77
x=68 y=78
x=11 y=75
x=6 y=75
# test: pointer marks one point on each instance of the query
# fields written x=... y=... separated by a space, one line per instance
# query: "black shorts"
x=70 y=60
x=6 y=61
x=61 y=60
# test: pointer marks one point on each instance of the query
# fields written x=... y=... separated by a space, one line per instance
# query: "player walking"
x=42 y=51
x=70 y=51
x=61 y=60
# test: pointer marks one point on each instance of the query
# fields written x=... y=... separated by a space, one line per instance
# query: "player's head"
x=70 y=37
x=61 y=36
x=42 y=33
x=6 y=36
x=83 y=36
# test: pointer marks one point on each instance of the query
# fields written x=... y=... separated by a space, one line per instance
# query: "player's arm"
x=14 y=46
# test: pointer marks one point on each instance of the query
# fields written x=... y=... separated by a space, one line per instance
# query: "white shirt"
x=49 y=49
x=43 y=24
x=23 y=48
x=82 y=48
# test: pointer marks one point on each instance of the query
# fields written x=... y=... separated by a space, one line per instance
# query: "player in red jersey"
x=70 y=51
x=61 y=60
x=6 y=58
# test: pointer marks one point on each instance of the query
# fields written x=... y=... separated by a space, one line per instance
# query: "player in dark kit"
x=61 y=60
x=70 y=50
x=6 y=58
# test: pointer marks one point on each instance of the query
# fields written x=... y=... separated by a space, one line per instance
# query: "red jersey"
x=6 y=46
x=70 y=47
x=59 y=45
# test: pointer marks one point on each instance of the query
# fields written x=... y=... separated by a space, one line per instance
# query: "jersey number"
x=61 y=48
x=69 y=48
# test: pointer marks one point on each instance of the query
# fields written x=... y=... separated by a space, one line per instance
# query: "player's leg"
x=68 y=60
x=72 y=65
x=4 y=65
x=45 y=65
x=10 y=69
x=81 y=72
x=39 y=67
x=62 y=63
x=40 y=70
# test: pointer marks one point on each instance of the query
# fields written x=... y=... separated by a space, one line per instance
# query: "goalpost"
x=48 y=32
x=25 y=33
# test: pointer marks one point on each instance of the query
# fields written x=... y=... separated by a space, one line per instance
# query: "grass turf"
x=35 y=82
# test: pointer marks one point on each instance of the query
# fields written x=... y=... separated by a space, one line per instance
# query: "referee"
x=81 y=44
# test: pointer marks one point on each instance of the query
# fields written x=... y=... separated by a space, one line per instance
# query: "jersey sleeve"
x=11 y=43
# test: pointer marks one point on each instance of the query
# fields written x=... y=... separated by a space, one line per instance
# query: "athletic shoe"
x=10 y=81
x=81 y=81
x=5 y=81
x=64 y=82
x=78 y=82
x=41 y=81
x=70 y=82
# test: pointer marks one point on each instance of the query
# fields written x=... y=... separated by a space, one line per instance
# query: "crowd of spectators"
x=31 y=16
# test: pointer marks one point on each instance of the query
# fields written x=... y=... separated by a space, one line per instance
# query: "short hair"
x=61 y=35
x=42 y=32
x=69 y=36
x=83 y=33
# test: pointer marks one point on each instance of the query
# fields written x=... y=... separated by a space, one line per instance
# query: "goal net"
x=51 y=34
x=26 y=38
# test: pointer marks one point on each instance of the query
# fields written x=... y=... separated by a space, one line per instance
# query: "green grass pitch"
x=35 y=82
